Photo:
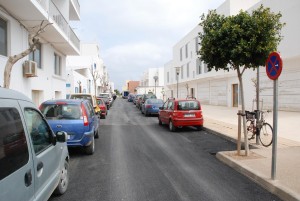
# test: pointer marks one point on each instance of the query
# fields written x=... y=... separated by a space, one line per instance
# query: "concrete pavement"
x=257 y=166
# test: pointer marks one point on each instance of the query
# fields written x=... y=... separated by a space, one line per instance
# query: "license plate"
x=189 y=115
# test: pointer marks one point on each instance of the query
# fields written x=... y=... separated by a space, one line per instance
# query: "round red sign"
x=274 y=66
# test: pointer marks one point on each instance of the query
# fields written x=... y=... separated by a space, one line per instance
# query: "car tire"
x=63 y=180
x=146 y=114
x=104 y=116
x=171 y=126
x=97 y=134
x=91 y=148
x=199 y=128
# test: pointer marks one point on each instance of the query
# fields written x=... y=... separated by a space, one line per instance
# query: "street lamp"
x=177 y=74
x=155 y=79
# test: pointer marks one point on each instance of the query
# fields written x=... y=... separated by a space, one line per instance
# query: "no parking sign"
x=274 y=66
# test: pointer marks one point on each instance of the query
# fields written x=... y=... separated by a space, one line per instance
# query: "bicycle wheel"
x=266 y=135
x=250 y=129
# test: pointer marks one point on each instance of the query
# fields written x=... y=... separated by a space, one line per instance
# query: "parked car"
x=89 y=97
x=34 y=161
x=179 y=113
x=131 y=97
x=106 y=98
x=102 y=107
x=145 y=97
x=151 y=106
x=136 y=98
x=77 y=118
x=138 y=102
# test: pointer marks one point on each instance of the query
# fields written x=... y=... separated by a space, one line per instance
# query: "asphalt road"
x=137 y=160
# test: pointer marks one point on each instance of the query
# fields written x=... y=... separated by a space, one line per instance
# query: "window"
x=186 y=50
x=180 y=54
x=168 y=77
x=3 y=37
x=13 y=144
x=36 y=55
x=170 y=105
x=40 y=132
x=187 y=70
x=57 y=64
x=196 y=45
x=198 y=66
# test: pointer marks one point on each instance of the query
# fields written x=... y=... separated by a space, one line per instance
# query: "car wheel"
x=159 y=121
x=142 y=111
x=91 y=148
x=63 y=180
x=171 y=126
x=97 y=134
x=146 y=114
x=104 y=116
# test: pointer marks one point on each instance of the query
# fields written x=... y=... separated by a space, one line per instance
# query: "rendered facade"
x=222 y=87
x=17 y=18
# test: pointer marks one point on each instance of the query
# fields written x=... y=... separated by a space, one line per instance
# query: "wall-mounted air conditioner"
x=30 y=68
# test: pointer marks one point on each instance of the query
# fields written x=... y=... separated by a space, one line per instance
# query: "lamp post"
x=155 y=79
x=177 y=74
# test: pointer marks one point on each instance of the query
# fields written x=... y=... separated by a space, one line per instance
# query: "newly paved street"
x=137 y=160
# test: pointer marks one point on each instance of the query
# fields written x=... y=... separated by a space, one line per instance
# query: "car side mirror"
x=61 y=136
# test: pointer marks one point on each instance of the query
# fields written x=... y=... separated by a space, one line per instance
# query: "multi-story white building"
x=17 y=18
x=222 y=87
x=80 y=70
x=152 y=81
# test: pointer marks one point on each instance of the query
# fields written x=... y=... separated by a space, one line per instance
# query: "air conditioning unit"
x=30 y=68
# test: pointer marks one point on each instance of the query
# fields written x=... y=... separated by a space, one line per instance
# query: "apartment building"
x=222 y=88
x=82 y=70
x=41 y=75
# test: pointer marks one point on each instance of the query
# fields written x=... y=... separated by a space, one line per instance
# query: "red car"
x=179 y=113
x=102 y=107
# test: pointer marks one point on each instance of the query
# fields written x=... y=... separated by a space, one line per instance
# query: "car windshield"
x=61 y=111
x=104 y=95
x=150 y=96
x=188 y=105
x=82 y=96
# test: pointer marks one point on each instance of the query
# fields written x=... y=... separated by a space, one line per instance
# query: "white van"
x=34 y=162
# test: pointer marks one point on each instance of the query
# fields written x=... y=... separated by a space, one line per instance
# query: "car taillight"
x=85 y=118
x=148 y=106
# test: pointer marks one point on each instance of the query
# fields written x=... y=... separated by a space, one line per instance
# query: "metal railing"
x=77 y=5
x=74 y=39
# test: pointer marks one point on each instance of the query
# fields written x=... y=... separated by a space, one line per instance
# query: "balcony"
x=59 y=33
x=74 y=10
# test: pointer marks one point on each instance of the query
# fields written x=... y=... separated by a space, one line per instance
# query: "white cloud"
x=138 y=34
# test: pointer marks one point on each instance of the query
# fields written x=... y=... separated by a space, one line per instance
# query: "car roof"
x=12 y=94
x=69 y=101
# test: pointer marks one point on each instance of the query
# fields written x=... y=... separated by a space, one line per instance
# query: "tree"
x=239 y=42
x=95 y=75
x=117 y=91
x=33 y=40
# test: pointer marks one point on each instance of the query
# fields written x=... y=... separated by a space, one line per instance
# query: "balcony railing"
x=77 y=5
x=55 y=14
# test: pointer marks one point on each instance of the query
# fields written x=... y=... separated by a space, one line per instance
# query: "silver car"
x=34 y=162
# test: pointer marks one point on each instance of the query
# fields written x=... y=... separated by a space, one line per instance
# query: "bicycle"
x=264 y=129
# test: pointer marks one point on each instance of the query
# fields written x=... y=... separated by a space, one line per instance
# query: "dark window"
x=40 y=132
x=13 y=145
x=188 y=105
x=61 y=111
x=36 y=55
x=3 y=37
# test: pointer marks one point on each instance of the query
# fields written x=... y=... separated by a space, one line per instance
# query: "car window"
x=170 y=105
x=38 y=129
x=13 y=145
x=155 y=101
x=61 y=111
x=100 y=102
x=82 y=96
x=188 y=105
x=165 y=105
x=90 y=110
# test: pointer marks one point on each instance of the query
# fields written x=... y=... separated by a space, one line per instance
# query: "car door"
x=46 y=169
x=16 y=166
x=163 y=115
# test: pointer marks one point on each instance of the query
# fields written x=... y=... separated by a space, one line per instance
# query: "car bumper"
x=84 y=141
x=188 y=122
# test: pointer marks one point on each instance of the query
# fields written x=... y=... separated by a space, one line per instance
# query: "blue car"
x=151 y=106
x=77 y=118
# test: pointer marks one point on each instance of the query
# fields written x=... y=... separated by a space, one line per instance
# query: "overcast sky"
x=134 y=35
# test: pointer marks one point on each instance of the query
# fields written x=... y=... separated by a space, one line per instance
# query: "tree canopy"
x=240 y=40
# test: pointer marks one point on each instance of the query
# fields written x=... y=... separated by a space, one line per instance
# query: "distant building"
x=132 y=85
x=45 y=74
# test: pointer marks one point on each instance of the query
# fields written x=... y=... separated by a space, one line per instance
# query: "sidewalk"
x=223 y=121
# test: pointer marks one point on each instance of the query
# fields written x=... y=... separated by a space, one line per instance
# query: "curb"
x=270 y=185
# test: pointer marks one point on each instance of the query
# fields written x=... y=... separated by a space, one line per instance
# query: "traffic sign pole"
x=273 y=69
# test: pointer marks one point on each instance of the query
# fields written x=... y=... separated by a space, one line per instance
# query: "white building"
x=152 y=81
x=222 y=87
x=58 y=40
x=80 y=69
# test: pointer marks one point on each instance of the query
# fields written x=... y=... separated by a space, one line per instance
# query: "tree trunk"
x=243 y=111
x=7 y=72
